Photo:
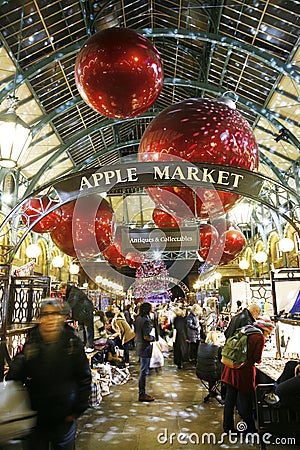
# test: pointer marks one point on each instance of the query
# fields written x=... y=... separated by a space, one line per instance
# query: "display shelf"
x=271 y=367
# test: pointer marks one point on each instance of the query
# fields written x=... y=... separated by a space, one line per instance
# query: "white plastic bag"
x=119 y=352
x=163 y=346
x=157 y=357
x=16 y=416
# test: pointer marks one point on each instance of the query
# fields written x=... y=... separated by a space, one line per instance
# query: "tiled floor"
x=177 y=419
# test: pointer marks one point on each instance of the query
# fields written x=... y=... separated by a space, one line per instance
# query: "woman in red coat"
x=240 y=383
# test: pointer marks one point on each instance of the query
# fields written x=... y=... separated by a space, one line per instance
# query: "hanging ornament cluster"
x=117 y=258
x=220 y=242
x=151 y=278
x=119 y=73
x=198 y=130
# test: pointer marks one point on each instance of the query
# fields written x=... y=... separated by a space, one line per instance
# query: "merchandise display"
x=271 y=367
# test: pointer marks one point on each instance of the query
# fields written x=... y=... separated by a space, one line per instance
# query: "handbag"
x=16 y=416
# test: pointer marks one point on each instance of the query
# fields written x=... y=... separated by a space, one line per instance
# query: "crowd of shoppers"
x=54 y=347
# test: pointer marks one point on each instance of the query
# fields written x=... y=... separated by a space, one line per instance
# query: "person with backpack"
x=241 y=382
x=246 y=317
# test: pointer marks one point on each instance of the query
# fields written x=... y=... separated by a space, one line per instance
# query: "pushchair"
x=209 y=370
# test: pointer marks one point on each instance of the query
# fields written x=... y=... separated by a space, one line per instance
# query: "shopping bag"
x=119 y=352
x=120 y=375
x=16 y=416
x=157 y=357
x=163 y=346
x=95 y=395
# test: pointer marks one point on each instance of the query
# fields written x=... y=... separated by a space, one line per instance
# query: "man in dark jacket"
x=143 y=327
x=55 y=369
x=82 y=311
x=240 y=320
x=193 y=331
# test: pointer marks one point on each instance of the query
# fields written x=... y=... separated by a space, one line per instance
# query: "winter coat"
x=244 y=379
x=209 y=366
x=57 y=375
x=121 y=326
x=99 y=329
x=239 y=321
x=193 y=327
x=180 y=345
x=82 y=307
x=288 y=388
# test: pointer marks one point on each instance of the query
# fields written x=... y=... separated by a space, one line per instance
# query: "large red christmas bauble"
x=198 y=130
x=119 y=73
x=62 y=235
x=229 y=246
x=35 y=207
x=209 y=238
x=86 y=228
x=221 y=224
x=164 y=220
x=113 y=254
x=234 y=243
x=93 y=226
x=134 y=260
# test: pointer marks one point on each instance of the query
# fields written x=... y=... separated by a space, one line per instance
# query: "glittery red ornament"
x=113 y=254
x=119 y=73
x=164 y=220
x=228 y=247
x=86 y=228
x=62 y=235
x=35 y=207
x=222 y=225
x=209 y=238
x=134 y=260
x=198 y=130
x=234 y=243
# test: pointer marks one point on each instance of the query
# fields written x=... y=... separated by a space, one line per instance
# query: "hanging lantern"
x=15 y=136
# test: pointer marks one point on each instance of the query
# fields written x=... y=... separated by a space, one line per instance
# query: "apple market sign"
x=167 y=173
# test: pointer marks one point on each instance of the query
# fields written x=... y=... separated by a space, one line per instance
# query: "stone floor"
x=177 y=419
